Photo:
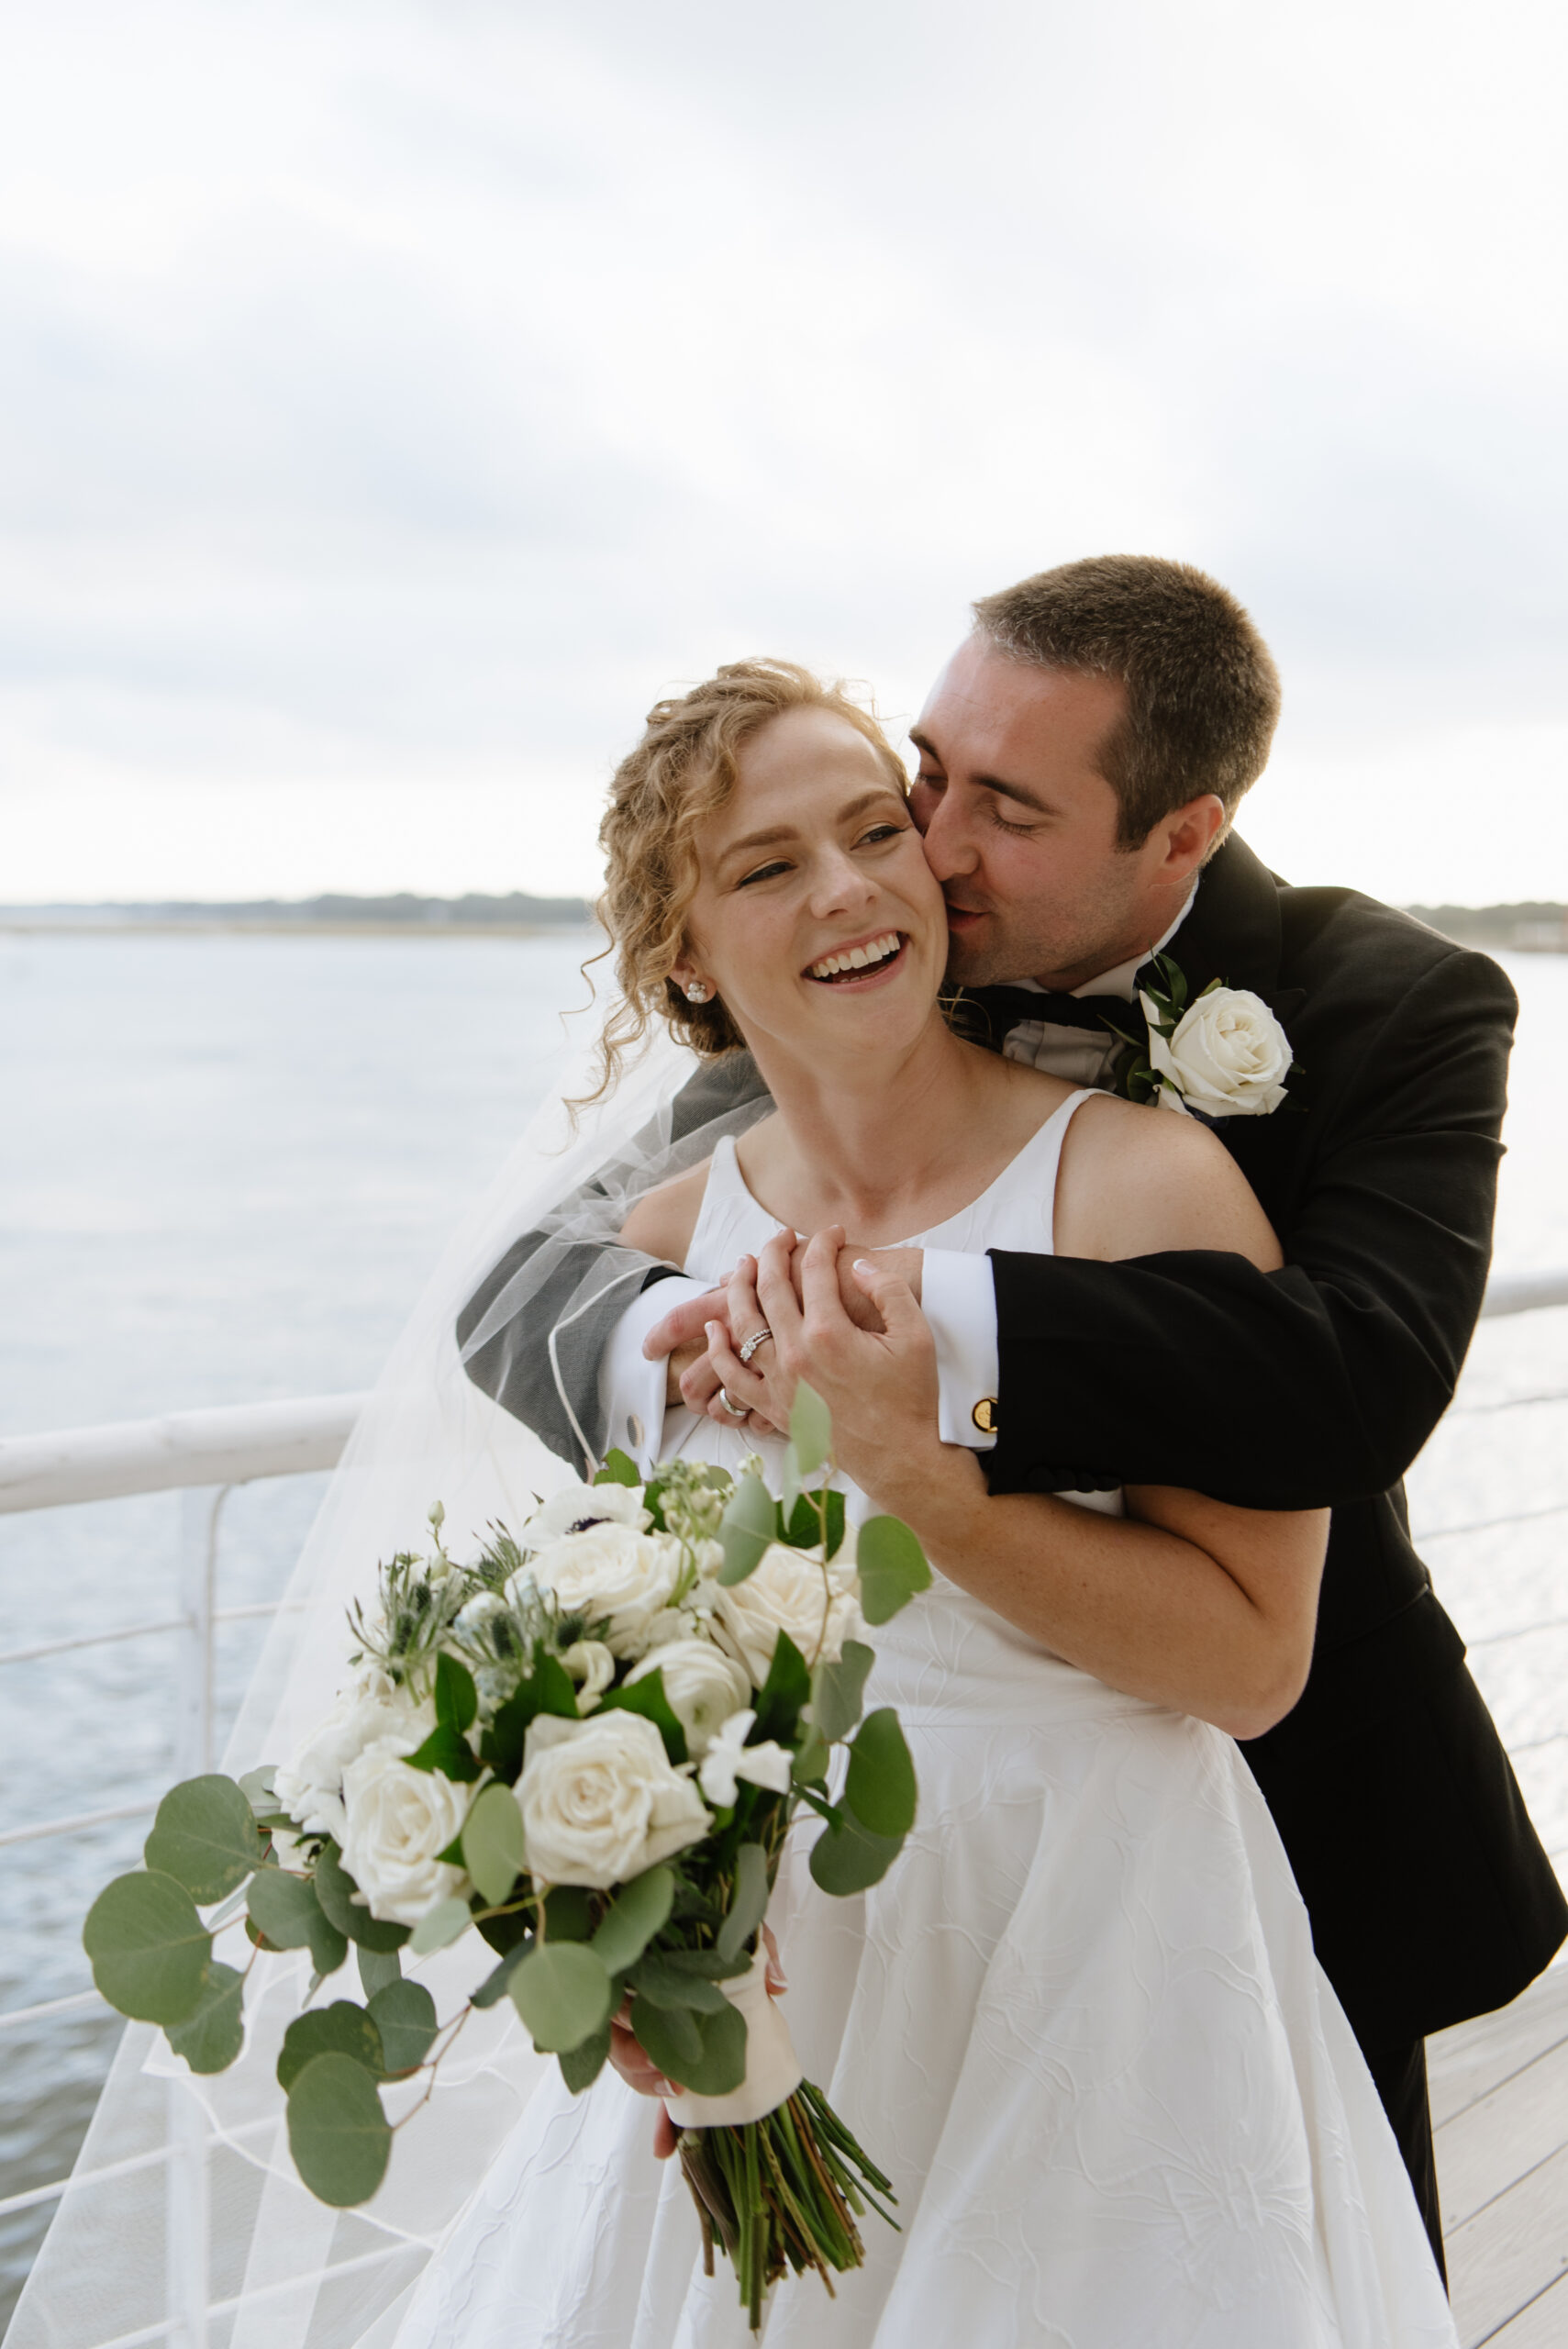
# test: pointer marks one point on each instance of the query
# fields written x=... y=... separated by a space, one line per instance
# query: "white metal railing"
x=204 y=1454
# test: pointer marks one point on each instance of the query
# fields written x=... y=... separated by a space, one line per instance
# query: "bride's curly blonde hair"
x=683 y=769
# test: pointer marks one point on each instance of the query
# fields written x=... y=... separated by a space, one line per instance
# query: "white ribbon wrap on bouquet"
x=773 y=2068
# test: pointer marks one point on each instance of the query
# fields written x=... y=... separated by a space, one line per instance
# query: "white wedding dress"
x=1079 y=2024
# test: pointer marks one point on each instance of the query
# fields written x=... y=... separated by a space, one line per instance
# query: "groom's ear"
x=1183 y=839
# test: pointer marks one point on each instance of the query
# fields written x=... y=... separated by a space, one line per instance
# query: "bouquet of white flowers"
x=588 y=1745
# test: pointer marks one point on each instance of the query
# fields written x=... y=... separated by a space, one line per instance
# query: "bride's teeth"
x=858 y=958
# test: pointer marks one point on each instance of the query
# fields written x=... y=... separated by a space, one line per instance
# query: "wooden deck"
x=1500 y=2105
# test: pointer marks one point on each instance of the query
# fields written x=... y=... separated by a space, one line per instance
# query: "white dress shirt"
x=957 y=1293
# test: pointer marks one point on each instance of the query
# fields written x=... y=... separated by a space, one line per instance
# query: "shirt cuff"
x=632 y=1389
x=958 y=1299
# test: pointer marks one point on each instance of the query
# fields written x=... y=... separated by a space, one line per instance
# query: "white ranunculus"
x=311 y=1787
x=615 y=1577
x=396 y=1821
x=1228 y=1056
x=729 y=1757
x=703 y=1684
x=601 y=1802
x=593 y=1667
x=576 y=1506
x=784 y=1593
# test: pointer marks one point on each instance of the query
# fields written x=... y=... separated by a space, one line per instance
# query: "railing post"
x=187 y=2208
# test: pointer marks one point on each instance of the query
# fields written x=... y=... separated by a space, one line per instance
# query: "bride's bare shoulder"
x=662 y=1221
x=1138 y=1182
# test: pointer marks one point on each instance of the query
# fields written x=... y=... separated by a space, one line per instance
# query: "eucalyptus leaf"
x=342 y=2029
x=493 y=1843
x=562 y=1992
x=443 y=1924
x=746 y=1530
x=405 y=2015
x=640 y=1909
x=782 y=1694
x=285 y=1908
x=668 y=2036
x=791 y=1492
x=204 y=1836
x=211 y=2037
x=663 y=1984
x=617 y=1469
x=256 y=1786
x=891 y=1567
x=810 y=1430
x=495 y=1983
x=568 y=1913
x=335 y=1889
x=149 y=1947
x=338 y=2134
x=811 y=1758
x=748 y=1900
x=880 y=1786
x=838 y=1690
x=377 y=1968
x=581 y=2066
x=849 y=1857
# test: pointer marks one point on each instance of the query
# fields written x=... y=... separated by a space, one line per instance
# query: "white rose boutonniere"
x=1221 y=1055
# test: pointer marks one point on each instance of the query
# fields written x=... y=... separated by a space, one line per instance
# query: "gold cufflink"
x=985 y=1415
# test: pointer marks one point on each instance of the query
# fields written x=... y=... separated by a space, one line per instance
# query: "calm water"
x=227 y=1164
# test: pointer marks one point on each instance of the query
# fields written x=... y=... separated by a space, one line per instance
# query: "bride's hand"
x=881 y=1386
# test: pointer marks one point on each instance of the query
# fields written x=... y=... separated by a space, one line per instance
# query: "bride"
x=1080 y=2021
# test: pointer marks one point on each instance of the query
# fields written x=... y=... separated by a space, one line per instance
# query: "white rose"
x=397 y=1820
x=576 y=1506
x=311 y=1789
x=784 y=1593
x=1228 y=1056
x=600 y=1801
x=616 y=1577
x=593 y=1667
x=703 y=1684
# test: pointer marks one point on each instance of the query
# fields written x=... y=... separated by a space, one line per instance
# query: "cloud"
x=403 y=397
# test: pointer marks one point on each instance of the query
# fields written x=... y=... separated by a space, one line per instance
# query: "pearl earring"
x=697 y=990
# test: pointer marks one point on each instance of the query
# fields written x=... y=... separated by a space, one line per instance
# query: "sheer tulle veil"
x=180 y=2174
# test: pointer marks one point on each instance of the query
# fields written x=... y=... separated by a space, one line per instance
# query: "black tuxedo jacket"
x=1431 y=1897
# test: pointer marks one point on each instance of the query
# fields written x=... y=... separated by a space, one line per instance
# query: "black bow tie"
x=1001 y=1009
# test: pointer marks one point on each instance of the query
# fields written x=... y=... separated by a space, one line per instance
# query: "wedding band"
x=758 y=1338
x=736 y=1410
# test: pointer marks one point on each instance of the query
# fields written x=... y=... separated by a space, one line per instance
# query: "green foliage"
x=746 y=1530
x=748 y=1900
x=563 y=1992
x=880 y=1788
x=335 y=1889
x=256 y=1786
x=618 y=1470
x=803 y=1527
x=838 y=1690
x=443 y=1924
x=647 y=1697
x=787 y=1688
x=285 y=1908
x=377 y=1968
x=705 y=2052
x=446 y=1750
x=204 y=1837
x=811 y=1757
x=548 y=1689
x=568 y=1913
x=342 y=2029
x=810 y=1430
x=492 y=1843
x=581 y=2066
x=495 y=1984
x=891 y=1567
x=640 y=1909
x=338 y=2132
x=663 y=1983
x=149 y=1947
x=213 y=2034
x=457 y=1698
x=849 y=1857
x=404 y=2014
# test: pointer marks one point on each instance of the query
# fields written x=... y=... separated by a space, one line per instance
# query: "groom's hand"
x=681 y=1337
x=900 y=1264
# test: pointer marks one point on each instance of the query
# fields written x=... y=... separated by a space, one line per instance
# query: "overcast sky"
x=396 y=398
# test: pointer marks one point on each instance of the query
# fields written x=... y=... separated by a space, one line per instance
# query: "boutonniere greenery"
x=1218 y=1054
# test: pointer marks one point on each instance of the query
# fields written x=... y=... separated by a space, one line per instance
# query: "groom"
x=1081 y=760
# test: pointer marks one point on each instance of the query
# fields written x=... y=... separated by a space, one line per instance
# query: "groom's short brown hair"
x=1203 y=693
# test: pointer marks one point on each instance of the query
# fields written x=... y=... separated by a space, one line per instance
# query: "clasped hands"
x=846 y=1320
